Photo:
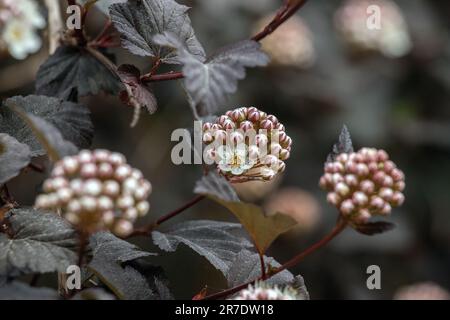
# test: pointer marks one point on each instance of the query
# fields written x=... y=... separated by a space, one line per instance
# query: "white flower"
x=30 y=13
x=234 y=160
x=20 y=39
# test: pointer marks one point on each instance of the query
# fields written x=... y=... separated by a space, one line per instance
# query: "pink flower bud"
x=342 y=158
x=388 y=166
x=360 y=199
x=275 y=149
x=342 y=189
x=222 y=119
x=377 y=203
x=105 y=170
x=400 y=185
x=397 y=199
x=117 y=159
x=367 y=186
x=333 y=198
x=347 y=207
x=362 y=170
x=337 y=177
x=373 y=167
x=246 y=125
x=85 y=156
x=382 y=156
x=388 y=182
x=397 y=175
x=236 y=137
x=386 y=194
x=363 y=216
x=351 y=180
x=378 y=177
x=70 y=165
x=101 y=155
x=386 y=209
x=207 y=137
x=284 y=154
x=206 y=126
x=229 y=125
x=254 y=116
x=266 y=124
x=280 y=127
x=273 y=119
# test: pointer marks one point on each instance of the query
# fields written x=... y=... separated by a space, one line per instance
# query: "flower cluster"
x=385 y=32
x=364 y=183
x=262 y=291
x=19 y=21
x=96 y=190
x=247 y=144
x=290 y=45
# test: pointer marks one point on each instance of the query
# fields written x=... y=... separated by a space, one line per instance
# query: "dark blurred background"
x=399 y=104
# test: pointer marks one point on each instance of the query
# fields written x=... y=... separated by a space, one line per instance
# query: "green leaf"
x=139 y=21
x=262 y=229
x=14 y=156
x=72 y=120
x=21 y=291
x=217 y=241
x=74 y=69
x=36 y=242
x=210 y=81
x=110 y=264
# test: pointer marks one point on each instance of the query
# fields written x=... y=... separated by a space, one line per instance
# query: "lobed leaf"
x=215 y=185
x=36 y=242
x=261 y=228
x=14 y=156
x=74 y=69
x=136 y=94
x=215 y=240
x=139 y=21
x=70 y=119
x=247 y=267
x=21 y=291
x=210 y=81
x=110 y=264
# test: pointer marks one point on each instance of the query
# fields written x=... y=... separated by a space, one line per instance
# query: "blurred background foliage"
x=401 y=105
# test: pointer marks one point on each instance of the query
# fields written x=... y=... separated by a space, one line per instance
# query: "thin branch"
x=83 y=242
x=144 y=231
x=288 y=9
x=263 y=266
x=339 y=227
x=162 y=77
x=55 y=24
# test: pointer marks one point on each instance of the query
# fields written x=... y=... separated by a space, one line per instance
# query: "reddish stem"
x=340 y=226
x=285 y=12
x=162 y=77
x=144 y=231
